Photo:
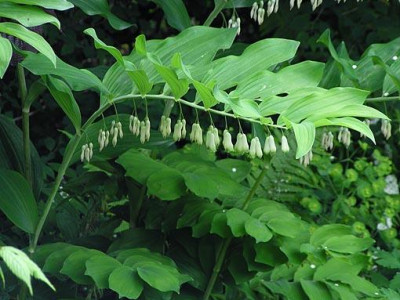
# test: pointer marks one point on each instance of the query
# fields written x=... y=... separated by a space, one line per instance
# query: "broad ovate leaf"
x=30 y=37
x=5 y=55
x=17 y=201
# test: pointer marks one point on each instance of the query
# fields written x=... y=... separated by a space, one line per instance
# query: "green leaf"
x=5 y=55
x=179 y=87
x=231 y=70
x=236 y=220
x=344 y=291
x=62 y=94
x=12 y=153
x=347 y=244
x=245 y=107
x=99 y=44
x=389 y=71
x=389 y=85
x=315 y=290
x=17 y=265
x=269 y=254
x=349 y=122
x=389 y=260
x=140 y=78
x=140 y=45
x=207 y=40
x=2 y=278
x=201 y=184
x=74 y=265
x=325 y=232
x=333 y=269
x=17 y=201
x=101 y=7
x=219 y=225
x=134 y=160
x=266 y=83
x=160 y=277
x=237 y=169
x=77 y=79
x=35 y=90
x=49 y=4
x=29 y=16
x=126 y=282
x=30 y=37
x=54 y=262
x=257 y=230
x=305 y=136
x=166 y=184
x=176 y=13
x=346 y=66
x=99 y=268
x=205 y=94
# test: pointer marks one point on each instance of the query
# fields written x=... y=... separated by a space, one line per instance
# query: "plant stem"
x=227 y=242
x=383 y=99
x=194 y=105
x=61 y=172
x=217 y=9
x=25 y=125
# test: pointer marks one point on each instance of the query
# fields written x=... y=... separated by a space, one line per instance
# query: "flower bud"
x=183 y=131
x=148 y=127
x=253 y=146
x=272 y=146
x=136 y=123
x=115 y=136
x=142 y=132
x=112 y=126
x=102 y=140
x=120 y=132
x=131 y=118
x=99 y=136
x=386 y=129
x=199 y=135
x=306 y=159
x=216 y=136
x=177 y=131
x=91 y=150
x=253 y=12
x=83 y=152
x=239 y=144
x=107 y=138
x=260 y=16
x=267 y=148
x=193 y=132
x=210 y=141
x=284 y=144
x=330 y=141
x=162 y=123
x=168 y=127
x=227 y=141
x=87 y=153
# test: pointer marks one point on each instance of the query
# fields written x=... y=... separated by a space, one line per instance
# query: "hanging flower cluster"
x=344 y=136
x=87 y=152
x=386 y=129
x=258 y=12
x=234 y=22
x=327 y=141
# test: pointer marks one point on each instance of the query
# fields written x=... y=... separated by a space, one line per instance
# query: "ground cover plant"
x=199 y=149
